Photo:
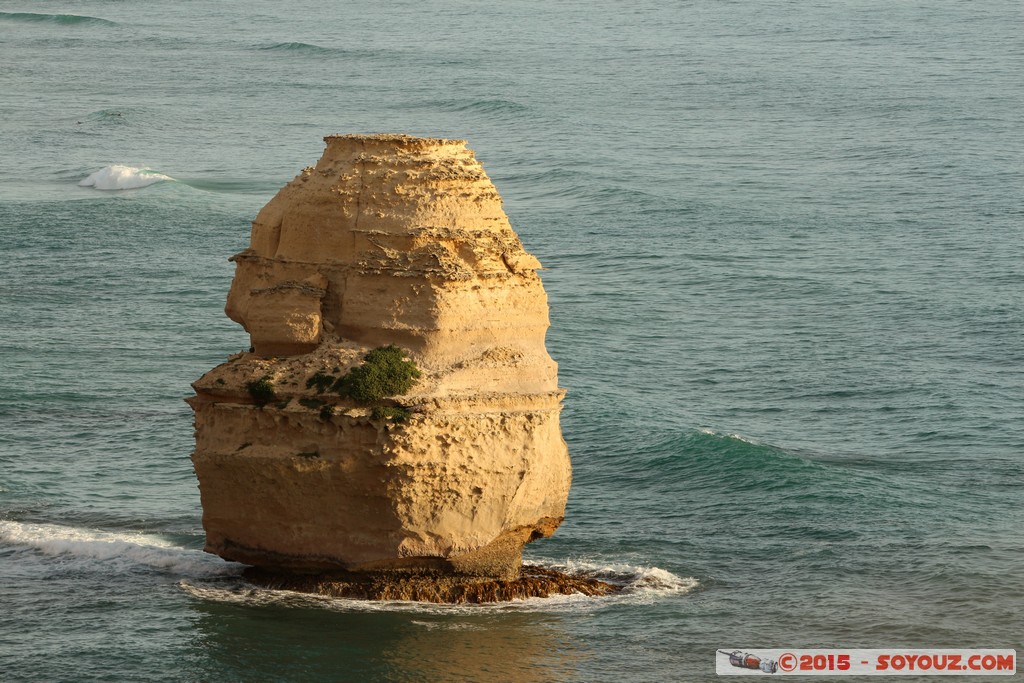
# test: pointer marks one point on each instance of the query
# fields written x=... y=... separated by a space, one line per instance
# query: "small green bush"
x=384 y=372
x=394 y=413
x=326 y=412
x=311 y=403
x=261 y=390
x=321 y=380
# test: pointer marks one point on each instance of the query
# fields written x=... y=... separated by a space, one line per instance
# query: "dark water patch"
x=63 y=19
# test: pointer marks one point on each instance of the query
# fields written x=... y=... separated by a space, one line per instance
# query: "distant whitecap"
x=118 y=177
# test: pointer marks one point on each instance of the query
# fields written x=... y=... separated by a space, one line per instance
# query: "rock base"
x=533 y=582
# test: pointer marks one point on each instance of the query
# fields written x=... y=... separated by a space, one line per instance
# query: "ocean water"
x=784 y=250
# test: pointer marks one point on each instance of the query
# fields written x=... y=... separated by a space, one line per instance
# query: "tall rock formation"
x=388 y=240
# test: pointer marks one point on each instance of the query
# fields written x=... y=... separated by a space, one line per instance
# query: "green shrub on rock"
x=384 y=372
x=261 y=390
x=321 y=380
x=394 y=413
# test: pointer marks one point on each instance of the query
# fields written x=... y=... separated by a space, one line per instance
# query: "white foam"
x=124 y=550
x=118 y=177
x=738 y=437
x=640 y=585
x=446 y=626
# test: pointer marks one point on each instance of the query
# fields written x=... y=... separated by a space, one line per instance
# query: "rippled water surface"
x=784 y=247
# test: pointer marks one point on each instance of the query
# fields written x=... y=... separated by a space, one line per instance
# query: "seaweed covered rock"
x=398 y=411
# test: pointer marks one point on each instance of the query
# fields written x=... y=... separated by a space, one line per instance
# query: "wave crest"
x=123 y=551
x=491 y=107
x=68 y=19
x=118 y=177
x=312 y=49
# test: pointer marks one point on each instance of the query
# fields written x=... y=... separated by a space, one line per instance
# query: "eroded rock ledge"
x=388 y=240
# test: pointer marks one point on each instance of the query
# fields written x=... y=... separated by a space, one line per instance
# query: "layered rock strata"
x=388 y=240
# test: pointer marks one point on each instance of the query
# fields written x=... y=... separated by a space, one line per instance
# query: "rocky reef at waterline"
x=391 y=255
x=532 y=582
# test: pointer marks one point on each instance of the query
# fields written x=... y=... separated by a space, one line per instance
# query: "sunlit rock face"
x=388 y=240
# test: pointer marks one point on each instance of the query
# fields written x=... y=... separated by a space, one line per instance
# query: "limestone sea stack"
x=398 y=244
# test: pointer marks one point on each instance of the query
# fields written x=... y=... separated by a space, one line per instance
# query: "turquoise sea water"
x=784 y=247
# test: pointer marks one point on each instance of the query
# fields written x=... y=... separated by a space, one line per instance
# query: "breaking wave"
x=640 y=585
x=118 y=550
x=118 y=177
